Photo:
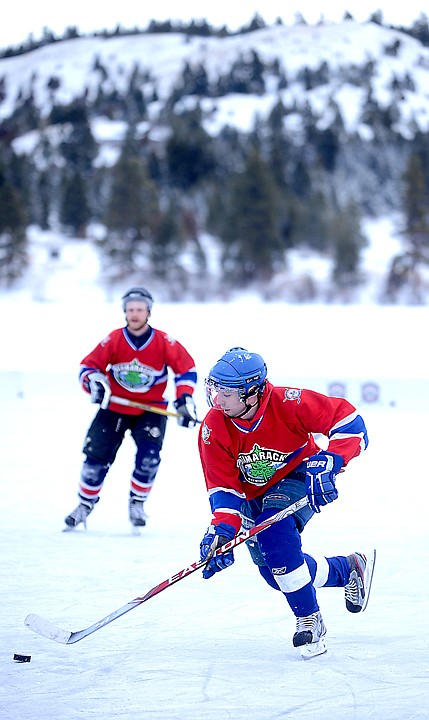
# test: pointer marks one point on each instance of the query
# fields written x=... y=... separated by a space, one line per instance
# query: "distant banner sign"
x=337 y=389
x=370 y=392
x=407 y=393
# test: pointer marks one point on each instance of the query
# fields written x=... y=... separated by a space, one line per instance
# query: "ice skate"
x=359 y=585
x=136 y=511
x=79 y=514
x=310 y=635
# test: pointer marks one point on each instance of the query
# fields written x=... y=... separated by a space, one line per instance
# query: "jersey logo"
x=292 y=394
x=259 y=465
x=279 y=571
x=134 y=376
x=205 y=434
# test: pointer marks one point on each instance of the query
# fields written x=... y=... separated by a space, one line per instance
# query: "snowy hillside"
x=352 y=107
x=60 y=73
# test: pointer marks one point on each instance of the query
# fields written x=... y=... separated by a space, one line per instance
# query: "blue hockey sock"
x=338 y=574
x=339 y=571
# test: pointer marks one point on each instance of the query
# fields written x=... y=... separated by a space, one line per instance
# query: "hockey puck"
x=22 y=658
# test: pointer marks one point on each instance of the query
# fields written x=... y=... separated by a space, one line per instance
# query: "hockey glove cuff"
x=320 y=479
x=215 y=537
x=99 y=388
x=185 y=406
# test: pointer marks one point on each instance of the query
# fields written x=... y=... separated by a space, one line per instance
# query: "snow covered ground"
x=219 y=648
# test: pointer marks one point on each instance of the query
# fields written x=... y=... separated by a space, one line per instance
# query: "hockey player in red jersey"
x=131 y=363
x=259 y=456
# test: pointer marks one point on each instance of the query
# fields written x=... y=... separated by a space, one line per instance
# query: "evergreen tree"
x=347 y=242
x=75 y=212
x=13 y=238
x=416 y=208
x=165 y=249
x=21 y=173
x=131 y=215
x=189 y=153
x=133 y=199
x=310 y=222
x=327 y=144
x=79 y=151
x=253 y=246
x=195 y=81
x=44 y=200
x=300 y=180
x=135 y=103
x=278 y=146
x=245 y=77
x=404 y=277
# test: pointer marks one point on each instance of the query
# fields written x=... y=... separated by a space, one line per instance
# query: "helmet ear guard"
x=255 y=389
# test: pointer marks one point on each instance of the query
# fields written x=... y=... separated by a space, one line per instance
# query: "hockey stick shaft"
x=143 y=406
x=65 y=637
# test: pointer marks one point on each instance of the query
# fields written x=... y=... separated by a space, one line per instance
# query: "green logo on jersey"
x=259 y=465
x=134 y=376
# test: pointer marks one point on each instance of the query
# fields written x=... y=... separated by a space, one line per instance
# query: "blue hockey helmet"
x=137 y=293
x=237 y=369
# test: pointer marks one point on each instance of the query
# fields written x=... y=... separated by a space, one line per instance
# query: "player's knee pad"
x=104 y=437
x=93 y=473
x=280 y=543
x=147 y=462
x=255 y=552
x=252 y=545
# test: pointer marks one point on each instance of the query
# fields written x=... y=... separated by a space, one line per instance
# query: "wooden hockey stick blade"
x=44 y=627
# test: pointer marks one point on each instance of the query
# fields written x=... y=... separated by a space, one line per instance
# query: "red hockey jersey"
x=140 y=374
x=241 y=459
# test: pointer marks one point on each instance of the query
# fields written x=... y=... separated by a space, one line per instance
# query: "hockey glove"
x=99 y=388
x=185 y=406
x=320 y=479
x=215 y=537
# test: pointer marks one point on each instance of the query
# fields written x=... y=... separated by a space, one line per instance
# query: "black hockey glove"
x=185 y=406
x=99 y=388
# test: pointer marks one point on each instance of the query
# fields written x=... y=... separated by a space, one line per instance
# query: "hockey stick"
x=142 y=406
x=66 y=637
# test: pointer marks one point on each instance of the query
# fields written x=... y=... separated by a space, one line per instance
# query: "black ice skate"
x=136 y=512
x=360 y=579
x=310 y=635
x=79 y=514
